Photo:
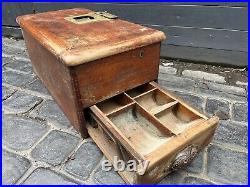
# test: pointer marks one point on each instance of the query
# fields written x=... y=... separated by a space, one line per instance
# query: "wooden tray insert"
x=149 y=124
x=178 y=118
x=167 y=110
x=139 y=128
x=114 y=103
x=155 y=101
x=139 y=90
x=146 y=117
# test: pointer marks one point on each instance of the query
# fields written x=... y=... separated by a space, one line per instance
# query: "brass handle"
x=184 y=157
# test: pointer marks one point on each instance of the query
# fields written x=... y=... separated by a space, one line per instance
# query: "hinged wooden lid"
x=77 y=36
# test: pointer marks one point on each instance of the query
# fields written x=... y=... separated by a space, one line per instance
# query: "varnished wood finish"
x=76 y=44
x=103 y=78
x=59 y=80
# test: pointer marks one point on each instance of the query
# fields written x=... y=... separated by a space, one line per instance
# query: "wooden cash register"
x=102 y=71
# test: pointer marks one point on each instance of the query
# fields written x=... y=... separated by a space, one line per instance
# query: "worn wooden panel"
x=205 y=38
x=115 y=74
x=164 y=14
x=236 y=58
x=58 y=79
x=76 y=44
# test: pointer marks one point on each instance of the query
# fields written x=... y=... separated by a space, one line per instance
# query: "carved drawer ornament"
x=184 y=157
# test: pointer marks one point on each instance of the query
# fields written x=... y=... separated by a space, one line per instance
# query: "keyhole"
x=141 y=54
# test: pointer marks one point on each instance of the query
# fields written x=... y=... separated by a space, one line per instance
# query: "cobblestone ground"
x=40 y=146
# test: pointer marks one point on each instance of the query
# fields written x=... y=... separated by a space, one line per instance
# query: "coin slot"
x=82 y=18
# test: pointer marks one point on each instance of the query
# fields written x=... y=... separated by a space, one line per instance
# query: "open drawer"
x=148 y=124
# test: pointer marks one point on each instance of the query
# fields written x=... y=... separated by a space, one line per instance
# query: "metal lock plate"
x=107 y=15
x=90 y=17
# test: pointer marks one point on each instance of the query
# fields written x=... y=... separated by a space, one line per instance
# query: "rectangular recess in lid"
x=90 y=17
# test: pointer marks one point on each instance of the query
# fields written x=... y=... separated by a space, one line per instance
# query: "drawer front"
x=104 y=78
x=152 y=125
x=181 y=157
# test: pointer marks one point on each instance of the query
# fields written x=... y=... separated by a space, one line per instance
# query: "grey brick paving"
x=237 y=91
x=21 y=102
x=85 y=160
x=218 y=107
x=240 y=112
x=46 y=176
x=174 y=82
x=195 y=180
x=173 y=178
x=55 y=148
x=110 y=177
x=16 y=79
x=5 y=60
x=220 y=91
x=197 y=165
x=50 y=111
x=23 y=66
x=7 y=92
x=191 y=99
x=14 y=43
x=14 y=51
x=21 y=133
x=241 y=83
x=44 y=149
x=167 y=70
x=14 y=166
x=232 y=133
x=38 y=87
x=227 y=166
x=204 y=76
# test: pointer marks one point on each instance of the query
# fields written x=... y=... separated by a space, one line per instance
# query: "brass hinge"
x=107 y=15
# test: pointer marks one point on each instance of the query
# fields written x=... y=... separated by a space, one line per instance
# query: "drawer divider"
x=155 y=121
x=163 y=107
x=144 y=93
x=120 y=108
x=117 y=133
x=178 y=99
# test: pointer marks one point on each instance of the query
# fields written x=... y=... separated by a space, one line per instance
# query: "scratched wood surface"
x=76 y=44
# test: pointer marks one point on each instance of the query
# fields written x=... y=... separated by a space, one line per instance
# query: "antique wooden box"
x=102 y=72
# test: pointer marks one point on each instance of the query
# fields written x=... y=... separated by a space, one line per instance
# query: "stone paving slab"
x=104 y=177
x=14 y=166
x=46 y=176
x=20 y=103
x=227 y=166
x=40 y=146
x=50 y=111
x=55 y=147
x=27 y=132
x=84 y=161
x=16 y=78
